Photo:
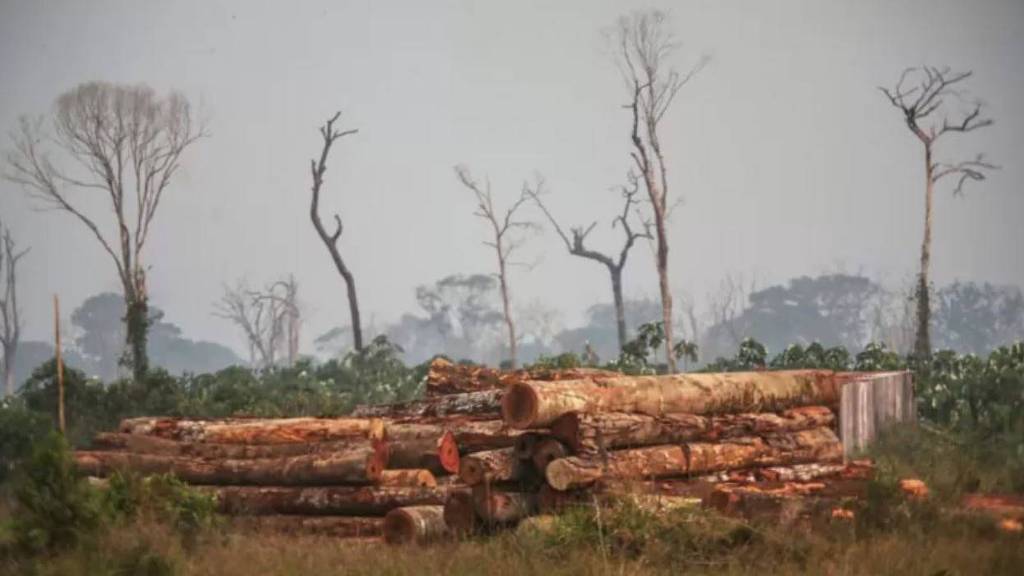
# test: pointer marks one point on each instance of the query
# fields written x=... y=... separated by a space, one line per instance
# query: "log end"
x=448 y=452
x=419 y=524
x=567 y=429
x=547 y=451
x=399 y=527
x=519 y=406
x=472 y=471
x=560 y=475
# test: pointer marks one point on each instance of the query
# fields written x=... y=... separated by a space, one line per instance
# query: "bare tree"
x=10 y=315
x=503 y=227
x=318 y=167
x=269 y=319
x=922 y=104
x=126 y=143
x=727 y=304
x=614 y=263
x=287 y=293
x=644 y=45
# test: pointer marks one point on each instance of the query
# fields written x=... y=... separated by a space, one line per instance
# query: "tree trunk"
x=620 y=305
x=154 y=445
x=479 y=405
x=415 y=524
x=922 y=341
x=666 y=293
x=327 y=500
x=460 y=515
x=353 y=308
x=506 y=304
x=444 y=377
x=136 y=329
x=10 y=351
x=470 y=435
x=594 y=433
x=534 y=404
x=355 y=466
x=492 y=466
x=411 y=477
x=496 y=506
x=440 y=454
x=329 y=526
x=257 y=431
x=817 y=445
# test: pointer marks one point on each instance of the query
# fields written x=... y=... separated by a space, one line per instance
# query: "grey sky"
x=787 y=157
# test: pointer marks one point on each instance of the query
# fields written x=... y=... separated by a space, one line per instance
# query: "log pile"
x=484 y=450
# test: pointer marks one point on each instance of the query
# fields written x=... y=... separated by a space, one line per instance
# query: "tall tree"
x=330 y=134
x=10 y=314
x=614 y=263
x=924 y=109
x=268 y=317
x=504 y=226
x=126 y=143
x=644 y=45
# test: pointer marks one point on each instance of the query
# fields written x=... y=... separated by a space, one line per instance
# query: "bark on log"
x=592 y=433
x=141 y=444
x=445 y=377
x=328 y=500
x=489 y=466
x=257 y=431
x=477 y=405
x=438 y=454
x=460 y=514
x=409 y=477
x=470 y=436
x=547 y=451
x=358 y=465
x=816 y=445
x=536 y=404
x=332 y=526
x=496 y=506
x=419 y=524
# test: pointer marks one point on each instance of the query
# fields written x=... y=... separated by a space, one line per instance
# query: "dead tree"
x=503 y=227
x=125 y=143
x=318 y=167
x=644 y=45
x=286 y=292
x=614 y=263
x=10 y=315
x=923 y=106
x=262 y=315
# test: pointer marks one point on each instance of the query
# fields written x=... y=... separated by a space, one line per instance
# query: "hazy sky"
x=788 y=159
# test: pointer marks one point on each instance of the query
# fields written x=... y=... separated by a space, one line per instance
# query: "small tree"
x=10 y=314
x=318 y=167
x=921 y=105
x=504 y=226
x=125 y=142
x=614 y=263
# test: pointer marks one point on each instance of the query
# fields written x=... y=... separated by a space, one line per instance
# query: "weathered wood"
x=445 y=377
x=460 y=514
x=871 y=402
x=500 y=465
x=415 y=524
x=497 y=506
x=326 y=500
x=332 y=526
x=592 y=433
x=438 y=454
x=142 y=444
x=408 y=477
x=816 y=445
x=357 y=465
x=476 y=405
x=536 y=404
x=257 y=431
x=547 y=451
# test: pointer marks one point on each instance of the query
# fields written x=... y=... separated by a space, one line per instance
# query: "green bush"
x=160 y=498
x=20 y=428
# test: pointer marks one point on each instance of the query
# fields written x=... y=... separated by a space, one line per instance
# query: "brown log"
x=476 y=405
x=547 y=451
x=497 y=506
x=257 y=431
x=439 y=454
x=536 y=404
x=414 y=524
x=327 y=500
x=332 y=526
x=408 y=477
x=142 y=444
x=445 y=377
x=470 y=436
x=525 y=442
x=816 y=445
x=488 y=466
x=592 y=433
x=460 y=515
x=358 y=465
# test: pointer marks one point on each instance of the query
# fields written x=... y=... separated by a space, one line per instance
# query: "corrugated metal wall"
x=869 y=403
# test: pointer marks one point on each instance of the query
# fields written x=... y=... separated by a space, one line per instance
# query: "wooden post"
x=60 y=366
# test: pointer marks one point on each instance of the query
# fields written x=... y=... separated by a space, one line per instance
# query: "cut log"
x=477 y=405
x=257 y=431
x=816 y=445
x=547 y=451
x=525 y=442
x=409 y=477
x=500 y=465
x=328 y=500
x=419 y=524
x=536 y=404
x=446 y=377
x=460 y=515
x=333 y=526
x=470 y=436
x=592 y=433
x=438 y=454
x=358 y=465
x=142 y=444
x=497 y=506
